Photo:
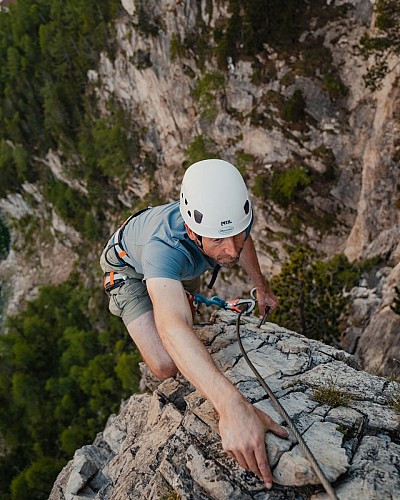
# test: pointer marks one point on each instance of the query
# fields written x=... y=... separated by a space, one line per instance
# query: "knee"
x=164 y=370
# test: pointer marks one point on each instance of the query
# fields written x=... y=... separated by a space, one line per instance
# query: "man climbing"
x=156 y=258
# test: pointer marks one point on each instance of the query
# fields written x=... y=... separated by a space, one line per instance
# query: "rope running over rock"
x=321 y=475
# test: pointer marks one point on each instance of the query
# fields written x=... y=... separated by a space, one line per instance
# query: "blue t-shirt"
x=158 y=246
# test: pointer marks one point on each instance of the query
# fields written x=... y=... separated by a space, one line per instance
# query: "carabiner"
x=233 y=305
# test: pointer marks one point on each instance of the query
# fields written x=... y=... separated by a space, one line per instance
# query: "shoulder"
x=160 y=259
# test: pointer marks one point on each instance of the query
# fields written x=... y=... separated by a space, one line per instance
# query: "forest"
x=65 y=366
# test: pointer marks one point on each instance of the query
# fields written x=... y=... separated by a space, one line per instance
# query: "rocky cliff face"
x=346 y=137
x=166 y=444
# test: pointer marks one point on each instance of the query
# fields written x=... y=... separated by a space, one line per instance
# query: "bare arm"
x=242 y=426
x=173 y=321
x=249 y=262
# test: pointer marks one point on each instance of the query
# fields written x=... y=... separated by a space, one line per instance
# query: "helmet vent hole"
x=189 y=213
x=198 y=216
x=246 y=207
x=186 y=202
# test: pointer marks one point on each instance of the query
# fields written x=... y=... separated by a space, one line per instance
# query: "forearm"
x=249 y=262
x=195 y=363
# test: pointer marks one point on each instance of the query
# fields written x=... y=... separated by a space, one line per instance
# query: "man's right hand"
x=242 y=428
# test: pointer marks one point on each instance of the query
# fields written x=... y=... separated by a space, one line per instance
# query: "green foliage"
x=61 y=374
x=243 y=161
x=109 y=144
x=46 y=50
x=33 y=483
x=141 y=59
x=13 y=167
x=384 y=44
x=4 y=239
x=286 y=184
x=261 y=186
x=70 y=205
x=147 y=24
x=197 y=39
x=334 y=85
x=311 y=295
x=201 y=148
x=294 y=108
x=205 y=93
x=253 y=24
x=177 y=49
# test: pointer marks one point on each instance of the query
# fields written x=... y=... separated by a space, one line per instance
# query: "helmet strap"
x=199 y=241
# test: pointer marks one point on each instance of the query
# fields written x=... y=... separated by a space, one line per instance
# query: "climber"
x=156 y=258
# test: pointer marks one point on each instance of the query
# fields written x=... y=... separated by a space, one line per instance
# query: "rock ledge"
x=166 y=444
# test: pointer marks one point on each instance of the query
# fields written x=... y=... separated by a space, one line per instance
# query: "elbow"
x=164 y=369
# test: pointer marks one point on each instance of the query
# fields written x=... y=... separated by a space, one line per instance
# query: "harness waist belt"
x=113 y=280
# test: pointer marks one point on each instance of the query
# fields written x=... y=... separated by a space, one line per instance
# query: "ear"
x=190 y=233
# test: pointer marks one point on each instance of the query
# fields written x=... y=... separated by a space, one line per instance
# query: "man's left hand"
x=266 y=298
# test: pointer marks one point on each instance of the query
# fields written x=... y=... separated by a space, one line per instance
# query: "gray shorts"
x=131 y=300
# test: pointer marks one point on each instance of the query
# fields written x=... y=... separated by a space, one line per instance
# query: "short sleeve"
x=162 y=261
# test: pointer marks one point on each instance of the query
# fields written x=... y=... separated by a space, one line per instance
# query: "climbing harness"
x=248 y=306
x=116 y=244
x=113 y=280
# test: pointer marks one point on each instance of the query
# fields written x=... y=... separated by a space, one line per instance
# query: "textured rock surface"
x=373 y=329
x=167 y=443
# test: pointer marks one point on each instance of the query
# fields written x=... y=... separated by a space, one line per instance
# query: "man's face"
x=225 y=251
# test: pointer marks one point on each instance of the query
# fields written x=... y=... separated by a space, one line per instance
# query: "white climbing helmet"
x=214 y=201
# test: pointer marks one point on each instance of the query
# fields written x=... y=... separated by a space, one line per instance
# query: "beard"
x=227 y=261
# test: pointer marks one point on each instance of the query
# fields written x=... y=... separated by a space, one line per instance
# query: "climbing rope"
x=320 y=473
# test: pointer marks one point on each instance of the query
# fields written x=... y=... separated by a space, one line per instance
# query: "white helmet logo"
x=226 y=230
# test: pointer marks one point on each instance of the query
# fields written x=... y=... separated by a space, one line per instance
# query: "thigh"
x=130 y=301
x=144 y=333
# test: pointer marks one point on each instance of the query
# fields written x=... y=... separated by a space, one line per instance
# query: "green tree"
x=200 y=148
x=62 y=372
x=286 y=184
x=46 y=50
x=311 y=294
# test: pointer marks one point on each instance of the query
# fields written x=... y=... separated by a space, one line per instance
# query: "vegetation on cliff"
x=384 y=44
x=64 y=368
x=313 y=293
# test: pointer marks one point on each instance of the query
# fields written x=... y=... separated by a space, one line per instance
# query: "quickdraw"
x=235 y=305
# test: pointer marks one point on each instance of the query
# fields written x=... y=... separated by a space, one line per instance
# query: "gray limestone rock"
x=374 y=473
x=325 y=442
x=167 y=445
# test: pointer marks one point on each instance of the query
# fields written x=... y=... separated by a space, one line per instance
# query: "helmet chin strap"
x=199 y=241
